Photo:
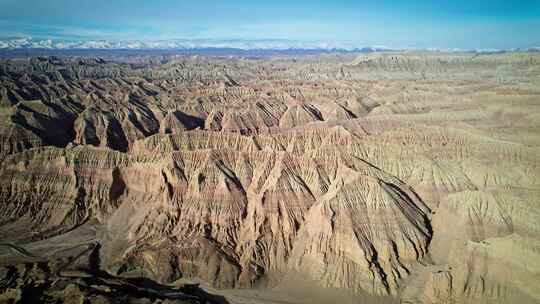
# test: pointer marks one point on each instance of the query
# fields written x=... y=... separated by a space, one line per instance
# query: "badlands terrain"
x=332 y=178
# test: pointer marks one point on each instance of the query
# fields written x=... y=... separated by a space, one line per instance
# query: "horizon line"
x=28 y=42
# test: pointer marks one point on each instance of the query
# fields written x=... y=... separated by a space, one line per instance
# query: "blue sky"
x=444 y=24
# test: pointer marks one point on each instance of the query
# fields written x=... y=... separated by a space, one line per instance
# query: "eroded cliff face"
x=226 y=216
x=242 y=173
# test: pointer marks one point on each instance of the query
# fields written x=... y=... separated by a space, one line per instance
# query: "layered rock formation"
x=401 y=175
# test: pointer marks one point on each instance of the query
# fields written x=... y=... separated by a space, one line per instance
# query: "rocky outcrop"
x=75 y=281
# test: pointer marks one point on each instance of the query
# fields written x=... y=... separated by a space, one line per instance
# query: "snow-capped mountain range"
x=187 y=44
x=269 y=44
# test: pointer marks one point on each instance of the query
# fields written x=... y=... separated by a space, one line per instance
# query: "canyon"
x=393 y=177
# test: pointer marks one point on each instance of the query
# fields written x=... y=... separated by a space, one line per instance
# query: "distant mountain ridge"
x=16 y=43
x=180 y=44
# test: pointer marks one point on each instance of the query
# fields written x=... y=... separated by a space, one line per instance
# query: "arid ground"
x=331 y=178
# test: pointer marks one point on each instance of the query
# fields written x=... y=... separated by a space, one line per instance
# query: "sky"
x=468 y=24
